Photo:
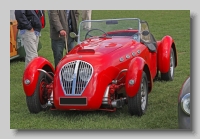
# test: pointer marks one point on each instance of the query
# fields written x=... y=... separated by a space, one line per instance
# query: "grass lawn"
x=162 y=104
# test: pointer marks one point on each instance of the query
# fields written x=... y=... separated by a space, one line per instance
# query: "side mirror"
x=72 y=35
x=145 y=33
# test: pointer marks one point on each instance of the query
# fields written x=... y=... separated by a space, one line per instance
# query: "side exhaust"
x=118 y=103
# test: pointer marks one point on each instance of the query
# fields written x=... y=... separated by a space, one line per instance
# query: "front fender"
x=31 y=73
x=164 y=49
x=133 y=76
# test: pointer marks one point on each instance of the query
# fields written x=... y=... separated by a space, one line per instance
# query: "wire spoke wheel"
x=143 y=95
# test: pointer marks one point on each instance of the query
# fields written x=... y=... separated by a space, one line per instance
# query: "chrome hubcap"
x=171 y=65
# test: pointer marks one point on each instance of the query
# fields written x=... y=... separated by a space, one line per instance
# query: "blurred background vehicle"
x=184 y=120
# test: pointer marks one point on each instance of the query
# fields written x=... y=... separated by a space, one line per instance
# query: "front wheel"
x=38 y=101
x=169 y=76
x=137 y=105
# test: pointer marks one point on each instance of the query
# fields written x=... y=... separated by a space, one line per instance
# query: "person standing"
x=87 y=15
x=73 y=18
x=30 y=26
x=62 y=22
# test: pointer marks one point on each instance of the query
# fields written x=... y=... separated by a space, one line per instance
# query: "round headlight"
x=68 y=74
x=85 y=74
x=27 y=81
x=185 y=103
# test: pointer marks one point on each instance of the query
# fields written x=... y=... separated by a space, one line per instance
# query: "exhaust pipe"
x=105 y=97
x=118 y=103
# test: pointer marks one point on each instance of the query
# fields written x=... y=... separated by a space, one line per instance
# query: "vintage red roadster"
x=113 y=64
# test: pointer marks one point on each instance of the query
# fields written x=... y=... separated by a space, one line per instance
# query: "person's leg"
x=84 y=18
x=30 y=41
x=57 y=48
x=70 y=43
x=88 y=17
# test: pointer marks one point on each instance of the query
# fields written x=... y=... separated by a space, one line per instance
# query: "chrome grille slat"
x=74 y=77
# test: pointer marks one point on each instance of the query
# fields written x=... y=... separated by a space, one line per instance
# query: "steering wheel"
x=87 y=34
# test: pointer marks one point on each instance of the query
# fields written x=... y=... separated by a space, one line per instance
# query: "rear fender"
x=133 y=76
x=32 y=73
x=164 y=49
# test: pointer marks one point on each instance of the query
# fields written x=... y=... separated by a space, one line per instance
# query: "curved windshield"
x=109 y=28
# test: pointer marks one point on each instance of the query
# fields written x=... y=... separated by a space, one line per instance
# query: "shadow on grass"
x=17 y=60
x=70 y=114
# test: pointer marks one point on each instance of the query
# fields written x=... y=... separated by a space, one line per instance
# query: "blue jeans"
x=58 y=48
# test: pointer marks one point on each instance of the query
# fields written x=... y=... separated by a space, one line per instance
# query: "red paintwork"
x=32 y=74
x=164 y=47
x=122 y=32
x=104 y=55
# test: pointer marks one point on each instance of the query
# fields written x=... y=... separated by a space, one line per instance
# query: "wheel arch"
x=163 y=52
x=31 y=74
x=134 y=75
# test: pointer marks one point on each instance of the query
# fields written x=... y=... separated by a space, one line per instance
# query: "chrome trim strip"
x=74 y=77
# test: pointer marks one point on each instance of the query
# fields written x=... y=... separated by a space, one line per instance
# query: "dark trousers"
x=58 y=47
x=70 y=43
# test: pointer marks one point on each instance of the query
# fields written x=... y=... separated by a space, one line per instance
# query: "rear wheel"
x=38 y=101
x=170 y=74
x=137 y=105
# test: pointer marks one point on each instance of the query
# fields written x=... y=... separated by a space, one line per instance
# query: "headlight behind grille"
x=85 y=74
x=68 y=74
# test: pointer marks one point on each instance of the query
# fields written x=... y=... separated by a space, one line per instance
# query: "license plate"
x=73 y=101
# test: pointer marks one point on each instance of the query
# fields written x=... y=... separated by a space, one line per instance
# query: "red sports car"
x=113 y=64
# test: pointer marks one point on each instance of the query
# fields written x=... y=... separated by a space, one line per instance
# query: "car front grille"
x=74 y=77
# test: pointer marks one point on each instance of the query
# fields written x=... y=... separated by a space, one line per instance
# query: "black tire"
x=137 y=105
x=36 y=103
x=169 y=76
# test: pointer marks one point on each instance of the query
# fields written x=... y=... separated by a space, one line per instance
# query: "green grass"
x=162 y=107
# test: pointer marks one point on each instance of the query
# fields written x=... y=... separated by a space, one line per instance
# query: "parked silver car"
x=184 y=121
